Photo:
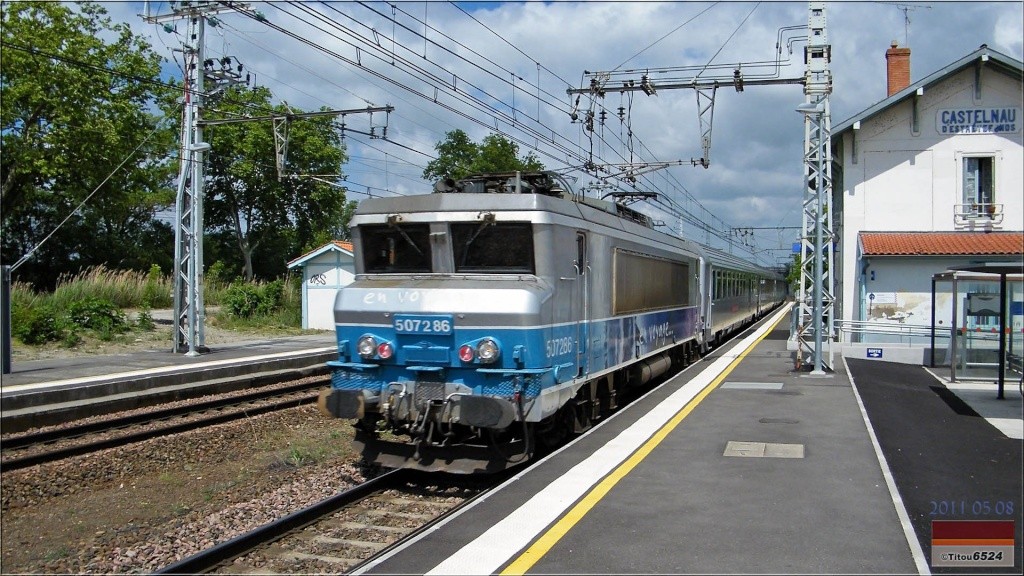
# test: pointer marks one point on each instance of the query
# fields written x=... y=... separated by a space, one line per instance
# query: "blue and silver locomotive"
x=503 y=313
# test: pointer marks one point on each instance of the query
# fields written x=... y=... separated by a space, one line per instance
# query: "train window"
x=581 y=254
x=493 y=247
x=643 y=282
x=401 y=248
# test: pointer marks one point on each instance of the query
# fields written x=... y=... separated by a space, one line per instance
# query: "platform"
x=42 y=392
x=740 y=465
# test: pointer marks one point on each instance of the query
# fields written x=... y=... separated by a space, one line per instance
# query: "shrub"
x=216 y=273
x=40 y=318
x=244 y=300
x=100 y=316
x=273 y=296
x=145 y=321
x=38 y=324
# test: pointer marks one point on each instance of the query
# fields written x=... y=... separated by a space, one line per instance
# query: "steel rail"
x=210 y=558
x=161 y=414
x=17 y=463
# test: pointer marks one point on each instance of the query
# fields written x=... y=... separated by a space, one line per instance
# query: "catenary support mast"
x=189 y=312
x=815 y=296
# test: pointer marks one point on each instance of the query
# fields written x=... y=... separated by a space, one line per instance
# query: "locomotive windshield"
x=402 y=248
x=476 y=248
x=496 y=247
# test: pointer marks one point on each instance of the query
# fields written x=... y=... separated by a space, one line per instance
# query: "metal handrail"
x=863 y=327
x=973 y=211
x=884 y=328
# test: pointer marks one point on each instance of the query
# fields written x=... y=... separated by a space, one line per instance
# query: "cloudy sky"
x=486 y=66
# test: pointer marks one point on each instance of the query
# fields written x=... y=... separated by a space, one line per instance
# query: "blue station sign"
x=998 y=120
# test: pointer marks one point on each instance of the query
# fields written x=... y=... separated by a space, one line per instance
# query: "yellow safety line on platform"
x=534 y=553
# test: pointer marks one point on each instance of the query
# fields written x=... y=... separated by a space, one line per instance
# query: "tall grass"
x=123 y=288
x=24 y=297
x=40 y=317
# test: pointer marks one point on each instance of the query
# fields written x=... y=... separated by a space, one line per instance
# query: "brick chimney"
x=897 y=61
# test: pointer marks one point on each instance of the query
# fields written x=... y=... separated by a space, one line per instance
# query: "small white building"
x=324 y=271
x=927 y=179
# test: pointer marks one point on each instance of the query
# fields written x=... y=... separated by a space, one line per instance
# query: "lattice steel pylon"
x=813 y=313
x=189 y=311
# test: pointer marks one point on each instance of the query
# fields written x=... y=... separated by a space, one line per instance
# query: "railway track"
x=344 y=531
x=51 y=445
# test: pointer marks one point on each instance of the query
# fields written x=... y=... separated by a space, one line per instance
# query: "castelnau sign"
x=978 y=120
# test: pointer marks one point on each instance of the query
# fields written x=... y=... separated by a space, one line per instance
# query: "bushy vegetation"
x=90 y=303
x=273 y=305
x=93 y=304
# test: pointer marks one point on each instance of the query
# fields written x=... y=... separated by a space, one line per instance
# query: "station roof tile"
x=942 y=243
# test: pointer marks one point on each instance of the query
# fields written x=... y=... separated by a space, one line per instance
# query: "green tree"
x=499 y=154
x=265 y=220
x=73 y=107
x=455 y=154
x=793 y=273
x=458 y=157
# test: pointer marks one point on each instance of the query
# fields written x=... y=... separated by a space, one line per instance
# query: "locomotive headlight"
x=385 y=350
x=366 y=346
x=487 y=350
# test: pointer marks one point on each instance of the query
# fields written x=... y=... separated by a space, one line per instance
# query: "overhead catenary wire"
x=89 y=66
x=414 y=119
x=441 y=85
x=727 y=40
x=451 y=108
x=142 y=80
x=514 y=120
x=498 y=77
x=426 y=27
x=520 y=141
x=673 y=31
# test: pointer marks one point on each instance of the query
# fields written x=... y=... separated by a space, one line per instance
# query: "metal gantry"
x=815 y=296
x=814 y=311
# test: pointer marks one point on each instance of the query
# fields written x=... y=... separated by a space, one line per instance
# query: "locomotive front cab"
x=444 y=336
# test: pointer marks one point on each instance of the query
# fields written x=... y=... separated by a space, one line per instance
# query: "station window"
x=979 y=184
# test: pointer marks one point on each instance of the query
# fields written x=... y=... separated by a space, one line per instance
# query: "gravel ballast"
x=141 y=507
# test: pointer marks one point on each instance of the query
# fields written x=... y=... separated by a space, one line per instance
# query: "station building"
x=928 y=180
x=324 y=271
